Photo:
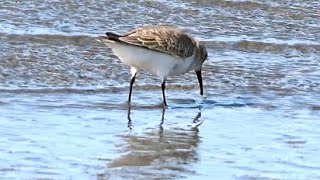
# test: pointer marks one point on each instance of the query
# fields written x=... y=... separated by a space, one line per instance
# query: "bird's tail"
x=113 y=36
x=109 y=38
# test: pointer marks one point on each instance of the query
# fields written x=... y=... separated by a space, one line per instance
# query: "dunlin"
x=161 y=50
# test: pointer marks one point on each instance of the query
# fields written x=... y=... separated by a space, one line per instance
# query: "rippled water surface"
x=63 y=110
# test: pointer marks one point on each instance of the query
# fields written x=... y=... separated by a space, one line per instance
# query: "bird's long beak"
x=199 y=76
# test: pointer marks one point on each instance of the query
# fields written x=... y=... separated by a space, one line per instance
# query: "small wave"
x=63 y=90
x=270 y=45
x=96 y=90
x=78 y=39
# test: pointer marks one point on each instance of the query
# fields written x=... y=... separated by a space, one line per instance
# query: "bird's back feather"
x=158 y=38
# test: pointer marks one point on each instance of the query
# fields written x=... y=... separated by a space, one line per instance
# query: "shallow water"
x=63 y=95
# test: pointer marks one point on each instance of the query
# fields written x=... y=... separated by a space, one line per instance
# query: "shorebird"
x=161 y=50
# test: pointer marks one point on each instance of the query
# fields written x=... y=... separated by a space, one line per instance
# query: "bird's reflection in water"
x=159 y=153
x=129 y=118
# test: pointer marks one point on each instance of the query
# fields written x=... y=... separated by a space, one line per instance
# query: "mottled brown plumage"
x=161 y=38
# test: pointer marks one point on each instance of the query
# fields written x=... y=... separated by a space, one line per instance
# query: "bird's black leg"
x=163 y=87
x=199 y=76
x=131 y=84
x=133 y=78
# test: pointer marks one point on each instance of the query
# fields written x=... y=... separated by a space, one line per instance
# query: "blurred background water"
x=63 y=112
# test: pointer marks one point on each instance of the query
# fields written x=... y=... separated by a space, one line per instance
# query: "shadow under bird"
x=161 y=50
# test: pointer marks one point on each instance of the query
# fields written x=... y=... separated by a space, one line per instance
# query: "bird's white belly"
x=158 y=63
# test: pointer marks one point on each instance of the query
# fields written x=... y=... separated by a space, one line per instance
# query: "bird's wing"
x=164 y=39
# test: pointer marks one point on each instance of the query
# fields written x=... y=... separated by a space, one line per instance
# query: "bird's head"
x=201 y=54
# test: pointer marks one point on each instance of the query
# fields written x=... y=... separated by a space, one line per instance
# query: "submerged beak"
x=199 y=76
